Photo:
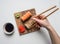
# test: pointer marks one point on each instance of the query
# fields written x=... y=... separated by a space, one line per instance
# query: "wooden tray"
x=19 y=22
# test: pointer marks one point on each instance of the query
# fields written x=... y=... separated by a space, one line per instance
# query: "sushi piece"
x=17 y=16
x=21 y=29
x=29 y=23
x=26 y=16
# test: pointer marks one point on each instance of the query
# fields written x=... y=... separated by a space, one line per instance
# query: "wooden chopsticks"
x=49 y=10
x=51 y=13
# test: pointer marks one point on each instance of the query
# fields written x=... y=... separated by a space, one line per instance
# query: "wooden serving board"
x=19 y=22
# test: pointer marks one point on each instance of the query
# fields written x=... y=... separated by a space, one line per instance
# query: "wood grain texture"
x=20 y=22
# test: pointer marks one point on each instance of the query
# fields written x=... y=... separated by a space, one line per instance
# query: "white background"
x=9 y=7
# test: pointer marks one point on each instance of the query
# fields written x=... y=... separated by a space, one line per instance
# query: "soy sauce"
x=9 y=27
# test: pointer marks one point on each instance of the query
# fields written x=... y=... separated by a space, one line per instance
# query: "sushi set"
x=24 y=22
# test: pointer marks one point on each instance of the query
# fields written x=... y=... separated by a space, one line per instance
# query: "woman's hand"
x=40 y=19
x=45 y=23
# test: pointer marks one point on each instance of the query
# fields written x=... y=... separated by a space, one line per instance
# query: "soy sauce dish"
x=8 y=28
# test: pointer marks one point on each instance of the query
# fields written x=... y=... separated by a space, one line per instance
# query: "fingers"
x=38 y=20
x=35 y=16
x=42 y=16
x=39 y=16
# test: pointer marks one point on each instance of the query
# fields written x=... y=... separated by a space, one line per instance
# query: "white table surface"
x=9 y=7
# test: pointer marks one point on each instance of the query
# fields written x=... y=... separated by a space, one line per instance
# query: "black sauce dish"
x=8 y=28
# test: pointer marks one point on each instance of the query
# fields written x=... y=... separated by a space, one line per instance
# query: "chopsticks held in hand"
x=47 y=15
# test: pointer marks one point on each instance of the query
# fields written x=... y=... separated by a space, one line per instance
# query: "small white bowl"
x=8 y=33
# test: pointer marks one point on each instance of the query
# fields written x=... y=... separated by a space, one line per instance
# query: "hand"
x=41 y=21
x=45 y=23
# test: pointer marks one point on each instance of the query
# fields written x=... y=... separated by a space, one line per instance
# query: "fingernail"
x=33 y=18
